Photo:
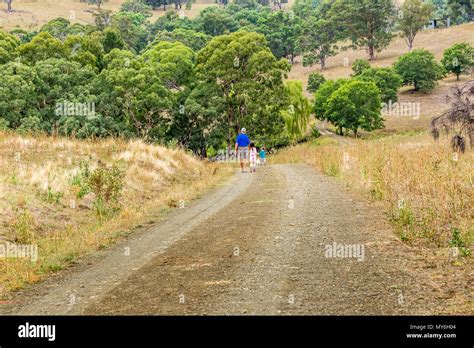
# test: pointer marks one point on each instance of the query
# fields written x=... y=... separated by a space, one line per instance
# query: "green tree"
x=169 y=22
x=319 y=37
x=59 y=28
x=155 y=4
x=250 y=80
x=412 y=17
x=315 y=80
x=323 y=94
x=8 y=45
x=18 y=98
x=355 y=105
x=43 y=46
x=58 y=80
x=175 y=63
x=141 y=92
x=215 y=21
x=198 y=119
x=299 y=111
x=131 y=28
x=359 y=66
x=419 y=68
x=191 y=38
x=112 y=39
x=246 y=3
x=459 y=59
x=305 y=8
x=102 y=19
x=463 y=10
x=136 y=6
x=366 y=23
x=23 y=35
x=387 y=81
x=282 y=30
x=86 y=49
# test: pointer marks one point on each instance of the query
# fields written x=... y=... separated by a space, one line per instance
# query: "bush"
x=106 y=183
x=315 y=80
x=457 y=241
x=315 y=133
x=3 y=124
x=359 y=66
x=81 y=179
x=419 y=68
x=30 y=124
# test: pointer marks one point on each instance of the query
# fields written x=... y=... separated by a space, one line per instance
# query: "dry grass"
x=36 y=193
x=32 y=14
x=426 y=189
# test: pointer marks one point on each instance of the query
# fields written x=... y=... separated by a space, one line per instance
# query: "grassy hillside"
x=42 y=180
x=32 y=14
x=431 y=104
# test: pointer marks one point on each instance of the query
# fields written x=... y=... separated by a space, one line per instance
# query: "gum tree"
x=412 y=17
x=249 y=79
x=366 y=23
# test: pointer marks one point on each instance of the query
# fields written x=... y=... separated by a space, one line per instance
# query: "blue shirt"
x=242 y=140
x=262 y=154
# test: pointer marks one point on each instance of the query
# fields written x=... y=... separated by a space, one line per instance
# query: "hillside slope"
x=50 y=190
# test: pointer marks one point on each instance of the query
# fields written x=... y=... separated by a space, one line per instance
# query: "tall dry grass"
x=426 y=188
x=39 y=204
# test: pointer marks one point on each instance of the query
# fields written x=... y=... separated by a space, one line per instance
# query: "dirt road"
x=286 y=240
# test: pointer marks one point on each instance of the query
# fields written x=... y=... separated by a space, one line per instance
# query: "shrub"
x=81 y=179
x=106 y=183
x=359 y=66
x=23 y=231
x=30 y=124
x=3 y=124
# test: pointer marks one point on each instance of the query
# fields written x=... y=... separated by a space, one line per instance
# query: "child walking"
x=263 y=156
x=253 y=158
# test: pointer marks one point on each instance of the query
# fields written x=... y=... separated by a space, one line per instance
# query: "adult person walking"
x=242 y=144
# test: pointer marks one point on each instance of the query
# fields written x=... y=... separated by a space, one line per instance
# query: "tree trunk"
x=323 y=63
x=371 y=51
